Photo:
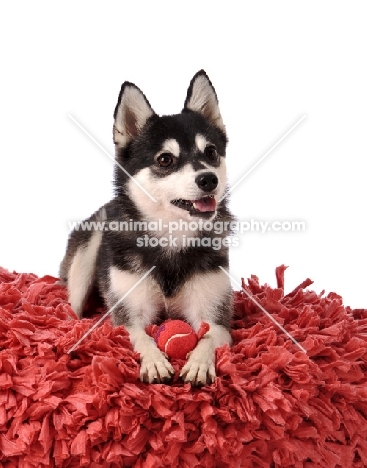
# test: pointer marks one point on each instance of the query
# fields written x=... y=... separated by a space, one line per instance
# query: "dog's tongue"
x=205 y=204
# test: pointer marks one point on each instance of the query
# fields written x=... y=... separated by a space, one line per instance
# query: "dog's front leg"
x=206 y=298
x=154 y=366
x=200 y=367
x=139 y=309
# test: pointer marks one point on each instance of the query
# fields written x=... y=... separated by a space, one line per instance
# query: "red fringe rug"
x=271 y=406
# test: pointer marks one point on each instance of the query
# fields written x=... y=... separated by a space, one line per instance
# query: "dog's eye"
x=165 y=159
x=211 y=152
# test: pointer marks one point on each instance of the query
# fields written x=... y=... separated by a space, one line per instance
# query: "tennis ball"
x=175 y=338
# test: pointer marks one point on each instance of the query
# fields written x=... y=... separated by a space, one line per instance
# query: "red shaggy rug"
x=271 y=406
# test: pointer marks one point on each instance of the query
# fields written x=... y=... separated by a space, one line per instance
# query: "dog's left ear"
x=202 y=98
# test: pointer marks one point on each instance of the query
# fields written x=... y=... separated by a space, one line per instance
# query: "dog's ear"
x=201 y=97
x=131 y=114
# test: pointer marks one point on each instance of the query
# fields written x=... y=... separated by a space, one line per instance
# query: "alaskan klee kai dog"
x=180 y=161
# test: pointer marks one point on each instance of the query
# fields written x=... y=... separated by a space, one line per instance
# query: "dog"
x=170 y=169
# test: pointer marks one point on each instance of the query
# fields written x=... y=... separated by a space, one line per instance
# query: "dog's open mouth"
x=206 y=205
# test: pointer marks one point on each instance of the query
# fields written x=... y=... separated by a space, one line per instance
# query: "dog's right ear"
x=131 y=114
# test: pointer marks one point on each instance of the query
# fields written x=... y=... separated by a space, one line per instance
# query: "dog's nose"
x=207 y=181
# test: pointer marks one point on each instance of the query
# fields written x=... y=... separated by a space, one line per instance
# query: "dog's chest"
x=173 y=272
x=169 y=279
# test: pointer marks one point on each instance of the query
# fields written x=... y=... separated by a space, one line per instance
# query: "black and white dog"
x=170 y=170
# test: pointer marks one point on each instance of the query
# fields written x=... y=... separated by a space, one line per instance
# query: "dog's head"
x=171 y=166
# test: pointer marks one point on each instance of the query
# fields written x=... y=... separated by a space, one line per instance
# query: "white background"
x=270 y=62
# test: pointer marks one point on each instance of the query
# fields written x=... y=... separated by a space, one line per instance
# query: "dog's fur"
x=186 y=282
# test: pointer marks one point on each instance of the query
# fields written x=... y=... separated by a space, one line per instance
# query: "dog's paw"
x=155 y=368
x=198 y=371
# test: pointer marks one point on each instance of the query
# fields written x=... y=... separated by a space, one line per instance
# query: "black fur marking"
x=197 y=165
x=184 y=127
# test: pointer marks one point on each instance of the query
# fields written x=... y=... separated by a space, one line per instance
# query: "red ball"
x=175 y=338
